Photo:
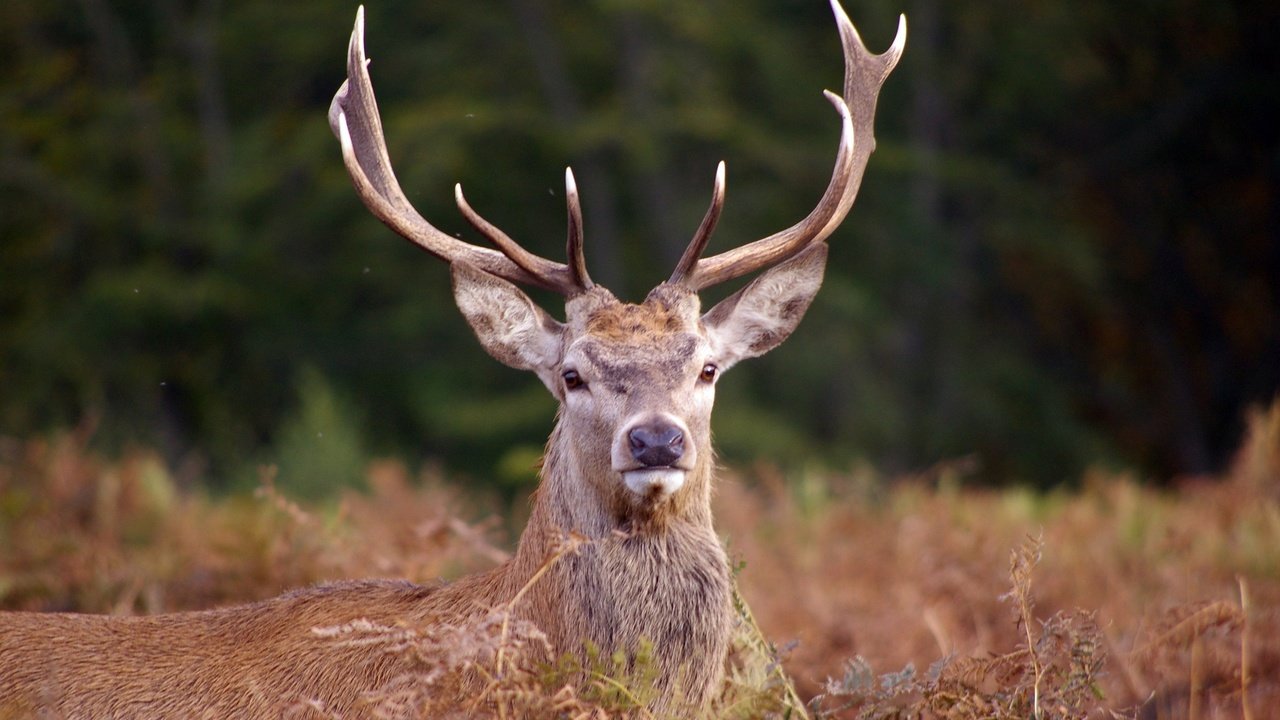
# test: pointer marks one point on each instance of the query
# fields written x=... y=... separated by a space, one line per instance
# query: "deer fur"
x=653 y=569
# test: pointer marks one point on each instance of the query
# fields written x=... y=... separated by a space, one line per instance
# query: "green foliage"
x=1062 y=251
x=620 y=681
x=319 y=449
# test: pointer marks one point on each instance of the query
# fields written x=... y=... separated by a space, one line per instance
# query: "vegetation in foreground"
x=921 y=598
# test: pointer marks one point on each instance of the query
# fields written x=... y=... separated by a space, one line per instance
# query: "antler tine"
x=689 y=260
x=865 y=73
x=782 y=245
x=573 y=246
x=527 y=261
x=353 y=117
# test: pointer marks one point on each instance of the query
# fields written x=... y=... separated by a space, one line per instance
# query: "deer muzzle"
x=652 y=455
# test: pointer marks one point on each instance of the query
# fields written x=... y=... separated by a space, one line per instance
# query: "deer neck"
x=581 y=495
x=618 y=590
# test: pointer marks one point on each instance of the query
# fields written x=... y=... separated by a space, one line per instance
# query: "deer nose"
x=656 y=445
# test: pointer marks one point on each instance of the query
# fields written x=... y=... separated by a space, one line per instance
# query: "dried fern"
x=1051 y=675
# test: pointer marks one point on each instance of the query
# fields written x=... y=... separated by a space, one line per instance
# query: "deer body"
x=253 y=660
x=628 y=469
x=266 y=659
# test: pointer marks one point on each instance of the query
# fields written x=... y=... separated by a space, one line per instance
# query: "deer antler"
x=530 y=263
x=864 y=73
x=689 y=260
x=353 y=116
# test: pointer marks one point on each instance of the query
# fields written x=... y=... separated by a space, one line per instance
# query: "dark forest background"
x=1066 y=251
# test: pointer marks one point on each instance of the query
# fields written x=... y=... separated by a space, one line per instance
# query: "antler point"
x=843 y=23
x=838 y=9
x=838 y=101
x=900 y=39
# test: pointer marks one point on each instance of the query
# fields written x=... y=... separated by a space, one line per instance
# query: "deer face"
x=636 y=383
x=643 y=378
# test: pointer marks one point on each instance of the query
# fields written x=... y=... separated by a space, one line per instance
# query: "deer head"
x=635 y=383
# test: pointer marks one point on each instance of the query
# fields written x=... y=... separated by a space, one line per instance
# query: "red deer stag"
x=628 y=466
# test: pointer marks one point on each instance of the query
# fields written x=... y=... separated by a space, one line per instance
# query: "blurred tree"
x=319 y=448
x=1175 y=173
x=1066 y=250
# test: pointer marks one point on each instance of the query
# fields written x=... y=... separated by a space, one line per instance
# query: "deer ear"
x=509 y=325
x=757 y=318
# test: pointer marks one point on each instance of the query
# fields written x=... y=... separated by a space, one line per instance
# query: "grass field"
x=916 y=598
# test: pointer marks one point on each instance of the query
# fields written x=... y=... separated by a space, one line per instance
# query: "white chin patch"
x=657 y=483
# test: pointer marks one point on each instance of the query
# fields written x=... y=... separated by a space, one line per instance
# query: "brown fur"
x=623 y=322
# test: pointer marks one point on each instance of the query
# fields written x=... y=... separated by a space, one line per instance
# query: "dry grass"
x=917 y=599
x=1183 y=585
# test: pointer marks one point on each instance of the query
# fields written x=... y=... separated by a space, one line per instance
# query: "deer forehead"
x=637 y=323
x=660 y=338
x=651 y=358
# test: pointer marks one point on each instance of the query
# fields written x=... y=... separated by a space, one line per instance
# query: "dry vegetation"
x=916 y=599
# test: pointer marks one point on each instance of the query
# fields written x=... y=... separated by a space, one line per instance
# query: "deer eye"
x=708 y=373
x=572 y=380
